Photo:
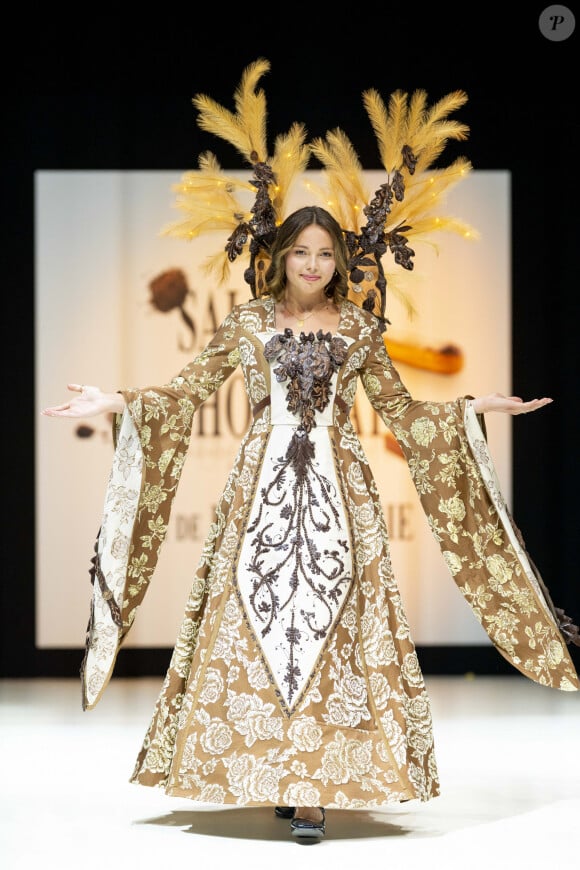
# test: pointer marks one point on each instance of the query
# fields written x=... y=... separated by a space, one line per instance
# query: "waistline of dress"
x=338 y=401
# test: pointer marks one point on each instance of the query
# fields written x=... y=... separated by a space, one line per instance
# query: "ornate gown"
x=294 y=679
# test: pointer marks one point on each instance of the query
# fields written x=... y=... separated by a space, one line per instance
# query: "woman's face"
x=310 y=262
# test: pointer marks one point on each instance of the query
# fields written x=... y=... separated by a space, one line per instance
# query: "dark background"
x=108 y=94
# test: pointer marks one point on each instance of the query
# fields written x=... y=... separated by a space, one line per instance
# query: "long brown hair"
x=288 y=232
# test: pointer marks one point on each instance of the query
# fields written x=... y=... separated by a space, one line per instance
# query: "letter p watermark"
x=557 y=23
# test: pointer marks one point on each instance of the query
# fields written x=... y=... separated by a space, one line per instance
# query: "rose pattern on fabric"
x=219 y=683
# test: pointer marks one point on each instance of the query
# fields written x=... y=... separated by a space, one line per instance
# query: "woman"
x=294 y=680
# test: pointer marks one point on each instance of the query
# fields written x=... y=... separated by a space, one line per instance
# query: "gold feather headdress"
x=208 y=197
x=410 y=137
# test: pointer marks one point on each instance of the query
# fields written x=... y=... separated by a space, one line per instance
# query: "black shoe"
x=307 y=831
x=284 y=812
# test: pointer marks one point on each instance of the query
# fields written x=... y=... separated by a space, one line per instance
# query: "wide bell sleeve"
x=445 y=447
x=151 y=439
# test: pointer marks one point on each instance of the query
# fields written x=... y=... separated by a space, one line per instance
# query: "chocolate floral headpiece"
x=410 y=137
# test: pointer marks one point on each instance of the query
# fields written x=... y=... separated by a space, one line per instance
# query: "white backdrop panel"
x=98 y=246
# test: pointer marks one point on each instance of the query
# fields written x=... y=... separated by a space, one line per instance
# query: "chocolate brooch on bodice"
x=307 y=363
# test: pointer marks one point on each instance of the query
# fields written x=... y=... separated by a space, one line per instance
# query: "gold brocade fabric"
x=332 y=710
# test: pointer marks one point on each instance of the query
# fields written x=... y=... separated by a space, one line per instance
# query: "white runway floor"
x=509 y=763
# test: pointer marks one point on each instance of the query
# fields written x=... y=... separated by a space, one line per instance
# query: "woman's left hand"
x=507 y=404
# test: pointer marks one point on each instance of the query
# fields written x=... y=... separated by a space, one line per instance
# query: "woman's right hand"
x=89 y=402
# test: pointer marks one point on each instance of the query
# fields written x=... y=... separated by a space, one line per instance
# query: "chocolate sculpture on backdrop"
x=294 y=681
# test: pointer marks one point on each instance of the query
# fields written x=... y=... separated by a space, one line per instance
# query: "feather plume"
x=291 y=156
x=197 y=225
x=245 y=130
x=251 y=107
x=445 y=106
x=212 y=200
x=410 y=137
x=389 y=126
x=329 y=198
x=208 y=199
x=409 y=122
x=415 y=114
x=425 y=193
x=398 y=284
x=437 y=128
x=210 y=180
x=425 y=227
x=346 y=193
x=218 y=265
x=222 y=123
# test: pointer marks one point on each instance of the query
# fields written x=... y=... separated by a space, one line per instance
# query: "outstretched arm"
x=507 y=404
x=89 y=402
